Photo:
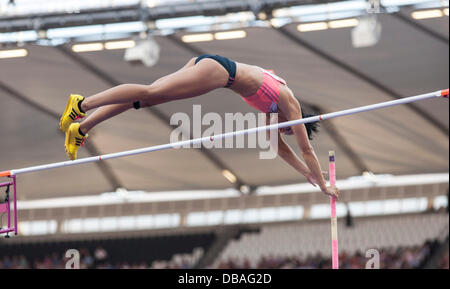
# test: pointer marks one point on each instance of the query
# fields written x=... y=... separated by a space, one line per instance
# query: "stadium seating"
x=310 y=238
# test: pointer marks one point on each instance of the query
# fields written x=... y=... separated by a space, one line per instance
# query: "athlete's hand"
x=332 y=192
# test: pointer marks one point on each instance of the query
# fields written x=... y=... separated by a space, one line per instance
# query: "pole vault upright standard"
x=13 y=173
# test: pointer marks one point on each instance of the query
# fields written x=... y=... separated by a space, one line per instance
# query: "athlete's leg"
x=105 y=112
x=190 y=63
x=192 y=81
x=102 y=114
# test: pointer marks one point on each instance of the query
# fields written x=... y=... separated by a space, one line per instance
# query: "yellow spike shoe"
x=72 y=112
x=73 y=140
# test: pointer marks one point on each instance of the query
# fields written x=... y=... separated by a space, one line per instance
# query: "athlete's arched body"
x=259 y=88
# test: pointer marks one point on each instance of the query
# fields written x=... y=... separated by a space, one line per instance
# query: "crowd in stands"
x=99 y=260
x=390 y=258
x=94 y=260
x=399 y=258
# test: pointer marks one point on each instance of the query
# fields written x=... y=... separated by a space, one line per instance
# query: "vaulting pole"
x=334 y=234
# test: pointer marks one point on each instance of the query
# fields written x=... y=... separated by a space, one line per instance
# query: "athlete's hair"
x=311 y=127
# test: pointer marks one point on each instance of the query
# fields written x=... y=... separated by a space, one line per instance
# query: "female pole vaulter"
x=258 y=87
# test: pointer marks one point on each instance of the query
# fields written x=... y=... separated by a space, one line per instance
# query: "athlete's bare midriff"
x=248 y=79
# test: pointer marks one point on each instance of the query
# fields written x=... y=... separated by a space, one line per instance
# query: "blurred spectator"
x=100 y=256
x=87 y=261
x=443 y=263
x=348 y=217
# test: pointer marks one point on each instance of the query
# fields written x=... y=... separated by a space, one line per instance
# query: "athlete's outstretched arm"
x=285 y=151
x=290 y=108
